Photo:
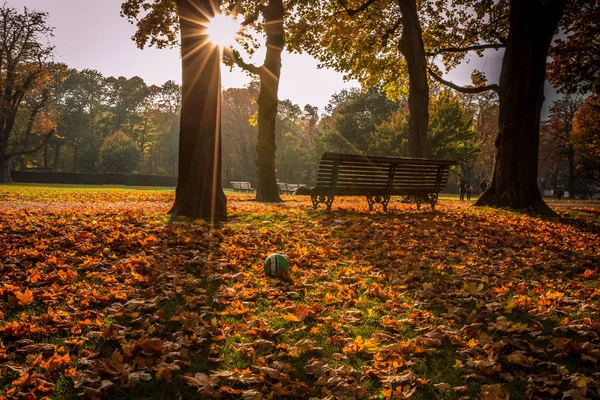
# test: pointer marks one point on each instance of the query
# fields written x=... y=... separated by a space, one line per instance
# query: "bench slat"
x=383 y=159
x=396 y=181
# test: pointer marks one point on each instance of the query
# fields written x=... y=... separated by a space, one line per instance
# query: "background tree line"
x=398 y=46
x=100 y=124
x=570 y=146
x=108 y=124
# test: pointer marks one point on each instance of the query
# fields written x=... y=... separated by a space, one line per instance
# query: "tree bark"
x=75 y=150
x=57 y=148
x=268 y=101
x=514 y=180
x=199 y=193
x=5 y=170
x=571 y=161
x=46 y=158
x=411 y=46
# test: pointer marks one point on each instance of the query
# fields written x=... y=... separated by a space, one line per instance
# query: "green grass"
x=59 y=187
x=66 y=187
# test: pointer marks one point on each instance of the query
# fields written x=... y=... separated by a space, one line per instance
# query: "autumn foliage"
x=103 y=295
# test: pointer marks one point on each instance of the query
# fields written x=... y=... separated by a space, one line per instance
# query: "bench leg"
x=420 y=199
x=328 y=202
x=322 y=199
x=383 y=200
x=371 y=202
x=315 y=201
x=433 y=198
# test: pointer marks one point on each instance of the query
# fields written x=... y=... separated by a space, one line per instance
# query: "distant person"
x=469 y=188
x=483 y=185
x=462 y=188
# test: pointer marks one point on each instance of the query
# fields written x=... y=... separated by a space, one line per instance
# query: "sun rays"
x=223 y=30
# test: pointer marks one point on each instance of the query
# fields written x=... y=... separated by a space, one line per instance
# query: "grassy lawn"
x=103 y=294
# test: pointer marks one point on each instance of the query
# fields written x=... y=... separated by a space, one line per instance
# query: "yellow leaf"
x=494 y=392
x=291 y=317
x=370 y=347
x=164 y=374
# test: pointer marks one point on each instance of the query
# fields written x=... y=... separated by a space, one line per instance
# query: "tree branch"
x=466 y=49
x=254 y=17
x=35 y=149
x=235 y=56
x=353 y=12
x=390 y=31
x=462 y=89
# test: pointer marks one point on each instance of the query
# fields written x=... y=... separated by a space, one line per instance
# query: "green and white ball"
x=276 y=264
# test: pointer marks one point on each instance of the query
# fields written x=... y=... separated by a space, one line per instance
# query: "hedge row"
x=92 y=179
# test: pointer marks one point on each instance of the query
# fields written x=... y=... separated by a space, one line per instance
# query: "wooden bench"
x=283 y=188
x=242 y=187
x=287 y=188
x=378 y=178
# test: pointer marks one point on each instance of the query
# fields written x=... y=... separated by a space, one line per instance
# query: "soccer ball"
x=276 y=264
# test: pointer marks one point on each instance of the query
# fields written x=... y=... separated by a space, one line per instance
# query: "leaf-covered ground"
x=102 y=294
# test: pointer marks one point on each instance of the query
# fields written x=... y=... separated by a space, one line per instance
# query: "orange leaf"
x=24 y=298
x=55 y=362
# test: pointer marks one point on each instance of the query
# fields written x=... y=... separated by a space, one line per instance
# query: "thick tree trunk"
x=514 y=180
x=411 y=46
x=199 y=193
x=267 y=190
x=4 y=170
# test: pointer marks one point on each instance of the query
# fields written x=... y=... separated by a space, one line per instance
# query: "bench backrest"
x=241 y=185
x=359 y=174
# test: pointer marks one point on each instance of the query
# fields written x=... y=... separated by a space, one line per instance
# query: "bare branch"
x=235 y=56
x=462 y=89
x=466 y=49
x=37 y=148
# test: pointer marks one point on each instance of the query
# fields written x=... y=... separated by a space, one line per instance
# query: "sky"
x=92 y=34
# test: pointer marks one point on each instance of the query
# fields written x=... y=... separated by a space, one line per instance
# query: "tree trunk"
x=411 y=46
x=4 y=170
x=46 y=158
x=571 y=160
x=74 y=159
x=199 y=193
x=514 y=179
x=56 y=156
x=267 y=190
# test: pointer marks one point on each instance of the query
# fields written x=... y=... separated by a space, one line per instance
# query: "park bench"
x=242 y=187
x=287 y=188
x=378 y=178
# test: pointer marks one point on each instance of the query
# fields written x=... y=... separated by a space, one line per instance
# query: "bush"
x=120 y=154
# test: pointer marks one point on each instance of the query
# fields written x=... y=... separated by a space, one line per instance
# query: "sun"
x=223 y=30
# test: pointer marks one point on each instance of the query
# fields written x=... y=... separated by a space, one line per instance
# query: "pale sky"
x=92 y=34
